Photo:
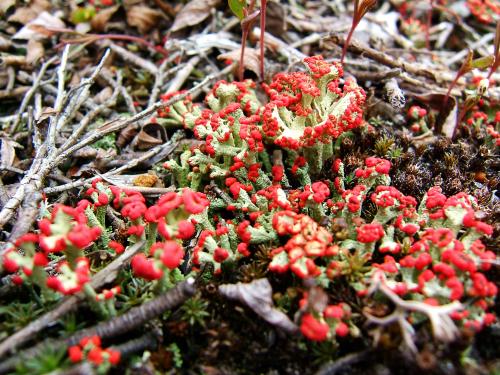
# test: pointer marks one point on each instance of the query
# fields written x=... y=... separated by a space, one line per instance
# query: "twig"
x=61 y=76
x=375 y=76
x=388 y=60
x=12 y=93
x=47 y=157
x=130 y=57
x=442 y=325
x=139 y=315
x=292 y=54
x=341 y=363
x=89 y=117
x=29 y=94
x=159 y=79
x=146 y=341
x=26 y=216
x=117 y=85
x=79 y=95
x=183 y=74
x=8 y=168
x=111 y=128
x=105 y=276
x=167 y=148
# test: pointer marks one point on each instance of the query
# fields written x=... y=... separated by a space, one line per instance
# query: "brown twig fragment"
x=139 y=315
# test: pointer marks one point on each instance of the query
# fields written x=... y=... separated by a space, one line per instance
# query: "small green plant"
x=176 y=354
x=194 y=311
x=48 y=360
x=18 y=315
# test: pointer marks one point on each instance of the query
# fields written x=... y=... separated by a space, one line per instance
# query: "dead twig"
x=166 y=149
x=388 y=60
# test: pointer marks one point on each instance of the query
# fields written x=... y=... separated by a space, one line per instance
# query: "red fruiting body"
x=116 y=246
x=313 y=329
x=194 y=202
x=171 y=253
x=370 y=232
x=145 y=268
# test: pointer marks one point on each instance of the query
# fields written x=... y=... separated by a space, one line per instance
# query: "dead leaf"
x=167 y=8
x=126 y=135
x=143 y=17
x=45 y=114
x=39 y=28
x=258 y=296
x=24 y=15
x=35 y=52
x=5 y=5
x=449 y=123
x=8 y=152
x=250 y=60
x=100 y=20
x=193 y=13
x=149 y=136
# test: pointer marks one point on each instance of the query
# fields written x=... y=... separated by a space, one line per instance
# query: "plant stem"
x=263 y=6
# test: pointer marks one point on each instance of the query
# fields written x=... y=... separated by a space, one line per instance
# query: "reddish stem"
x=355 y=20
x=427 y=29
x=244 y=36
x=347 y=41
x=263 y=5
x=453 y=83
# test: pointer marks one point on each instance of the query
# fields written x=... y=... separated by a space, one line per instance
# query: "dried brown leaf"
x=35 y=52
x=5 y=5
x=167 y=8
x=143 y=17
x=100 y=20
x=250 y=60
x=126 y=135
x=257 y=295
x=26 y=14
x=193 y=13
x=22 y=15
x=149 y=136
x=40 y=27
x=8 y=152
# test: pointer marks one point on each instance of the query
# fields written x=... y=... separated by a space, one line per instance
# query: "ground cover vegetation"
x=212 y=187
